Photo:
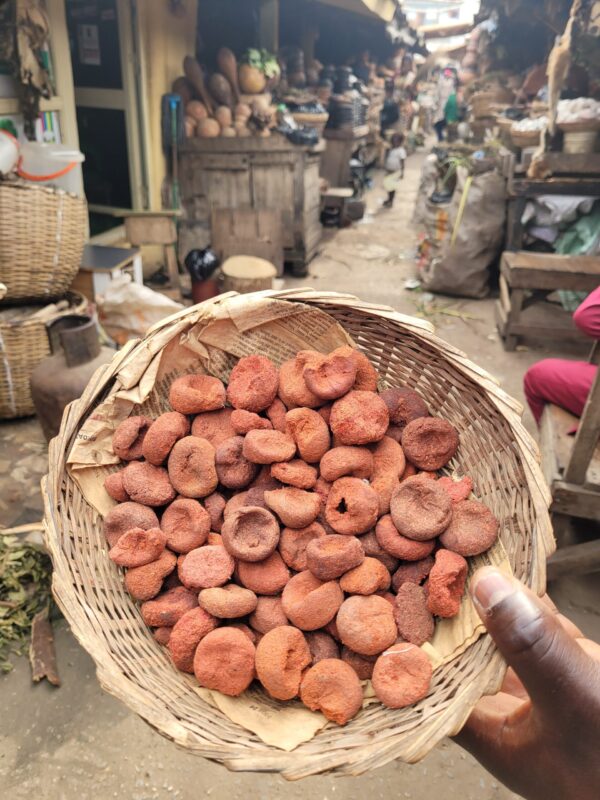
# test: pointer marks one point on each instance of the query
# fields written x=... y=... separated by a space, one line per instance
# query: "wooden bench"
x=571 y=466
x=526 y=279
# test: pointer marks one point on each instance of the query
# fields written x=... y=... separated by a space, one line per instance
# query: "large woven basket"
x=579 y=127
x=483 y=104
x=42 y=234
x=525 y=139
x=495 y=450
x=23 y=344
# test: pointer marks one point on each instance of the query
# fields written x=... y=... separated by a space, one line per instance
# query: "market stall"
x=244 y=148
x=535 y=112
x=258 y=173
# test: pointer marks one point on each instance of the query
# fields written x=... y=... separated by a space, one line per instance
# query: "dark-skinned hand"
x=540 y=735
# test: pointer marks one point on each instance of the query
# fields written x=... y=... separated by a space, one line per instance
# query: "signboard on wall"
x=88 y=44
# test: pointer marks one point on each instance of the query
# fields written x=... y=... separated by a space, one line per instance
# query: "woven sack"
x=495 y=450
x=42 y=232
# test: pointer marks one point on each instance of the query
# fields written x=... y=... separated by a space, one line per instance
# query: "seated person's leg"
x=563 y=383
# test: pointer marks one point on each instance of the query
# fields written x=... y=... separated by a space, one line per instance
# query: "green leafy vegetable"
x=25 y=573
x=263 y=60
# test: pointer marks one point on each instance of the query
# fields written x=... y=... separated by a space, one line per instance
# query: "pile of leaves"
x=25 y=574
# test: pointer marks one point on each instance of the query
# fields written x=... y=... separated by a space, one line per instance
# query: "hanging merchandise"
x=172 y=129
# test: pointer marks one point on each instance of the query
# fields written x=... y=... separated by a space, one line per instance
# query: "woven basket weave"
x=495 y=450
x=524 y=139
x=42 y=232
x=23 y=344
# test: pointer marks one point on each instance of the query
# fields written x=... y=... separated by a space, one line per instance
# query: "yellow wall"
x=164 y=41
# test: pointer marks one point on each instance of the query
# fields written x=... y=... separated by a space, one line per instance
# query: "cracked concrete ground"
x=77 y=742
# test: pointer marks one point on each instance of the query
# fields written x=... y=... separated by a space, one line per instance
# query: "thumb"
x=553 y=668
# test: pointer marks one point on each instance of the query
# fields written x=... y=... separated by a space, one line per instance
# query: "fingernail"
x=489 y=586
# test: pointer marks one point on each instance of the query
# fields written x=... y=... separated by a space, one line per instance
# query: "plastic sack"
x=474 y=237
x=427 y=184
x=582 y=238
x=201 y=263
x=127 y=309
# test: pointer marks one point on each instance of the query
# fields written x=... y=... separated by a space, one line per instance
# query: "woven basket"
x=524 y=139
x=495 y=450
x=23 y=344
x=580 y=141
x=316 y=121
x=484 y=104
x=579 y=127
x=42 y=234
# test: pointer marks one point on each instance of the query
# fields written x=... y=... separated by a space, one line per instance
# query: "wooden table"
x=526 y=278
x=101 y=264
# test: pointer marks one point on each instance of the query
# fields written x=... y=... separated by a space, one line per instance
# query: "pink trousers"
x=563 y=383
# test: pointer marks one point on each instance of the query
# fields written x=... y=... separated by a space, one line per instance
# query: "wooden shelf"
x=11 y=105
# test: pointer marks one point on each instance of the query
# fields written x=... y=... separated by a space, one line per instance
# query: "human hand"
x=540 y=735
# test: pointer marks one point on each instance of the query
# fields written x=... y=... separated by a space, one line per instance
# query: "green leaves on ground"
x=25 y=574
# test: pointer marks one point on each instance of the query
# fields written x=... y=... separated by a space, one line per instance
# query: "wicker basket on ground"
x=43 y=232
x=495 y=450
x=23 y=344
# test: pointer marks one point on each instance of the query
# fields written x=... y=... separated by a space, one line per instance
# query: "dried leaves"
x=25 y=572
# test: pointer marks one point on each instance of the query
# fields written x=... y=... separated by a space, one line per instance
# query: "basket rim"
x=77 y=300
x=492 y=672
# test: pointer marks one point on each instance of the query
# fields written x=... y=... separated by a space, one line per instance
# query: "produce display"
x=579 y=110
x=235 y=101
x=533 y=125
x=292 y=528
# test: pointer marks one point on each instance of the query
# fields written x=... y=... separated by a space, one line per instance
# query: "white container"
x=9 y=152
x=51 y=165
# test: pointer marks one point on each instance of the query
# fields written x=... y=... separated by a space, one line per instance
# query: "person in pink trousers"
x=561 y=382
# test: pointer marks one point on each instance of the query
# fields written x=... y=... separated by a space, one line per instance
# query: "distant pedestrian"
x=446 y=87
x=394 y=166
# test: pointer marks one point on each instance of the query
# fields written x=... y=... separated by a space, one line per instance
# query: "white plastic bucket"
x=51 y=165
x=9 y=152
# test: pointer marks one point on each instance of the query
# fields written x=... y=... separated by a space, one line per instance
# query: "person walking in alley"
x=394 y=166
x=446 y=109
x=559 y=381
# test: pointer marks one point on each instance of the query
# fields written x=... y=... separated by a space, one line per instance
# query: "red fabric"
x=587 y=316
x=565 y=383
x=555 y=380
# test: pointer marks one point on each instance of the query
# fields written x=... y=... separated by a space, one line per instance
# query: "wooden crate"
x=245 y=231
x=261 y=174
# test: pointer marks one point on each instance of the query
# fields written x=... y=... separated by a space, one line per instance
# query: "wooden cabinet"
x=269 y=174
